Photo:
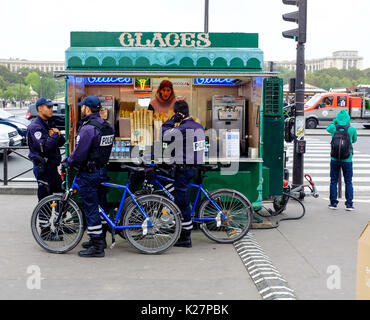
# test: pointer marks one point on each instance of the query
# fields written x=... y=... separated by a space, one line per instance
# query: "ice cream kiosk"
x=220 y=75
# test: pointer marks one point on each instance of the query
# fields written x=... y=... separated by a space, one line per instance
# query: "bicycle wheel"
x=57 y=238
x=128 y=202
x=237 y=211
x=166 y=228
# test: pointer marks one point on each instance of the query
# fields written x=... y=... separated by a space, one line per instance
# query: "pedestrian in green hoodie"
x=343 y=119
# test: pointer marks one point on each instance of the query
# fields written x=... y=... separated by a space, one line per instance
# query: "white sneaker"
x=333 y=207
x=350 y=208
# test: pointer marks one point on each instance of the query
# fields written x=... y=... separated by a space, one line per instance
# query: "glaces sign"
x=163 y=40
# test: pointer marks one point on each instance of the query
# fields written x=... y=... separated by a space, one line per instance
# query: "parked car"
x=18 y=123
x=58 y=114
x=9 y=137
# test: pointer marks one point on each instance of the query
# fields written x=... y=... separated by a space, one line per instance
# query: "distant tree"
x=3 y=84
x=33 y=79
x=48 y=88
x=286 y=74
x=18 y=92
x=8 y=76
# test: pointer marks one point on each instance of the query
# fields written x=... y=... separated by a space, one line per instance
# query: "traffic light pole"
x=298 y=155
x=299 y=34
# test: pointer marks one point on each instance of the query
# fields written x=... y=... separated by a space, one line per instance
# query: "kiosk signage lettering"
x=169 y=40
x=108 y=80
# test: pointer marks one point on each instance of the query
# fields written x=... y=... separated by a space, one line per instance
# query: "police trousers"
x=49 y=180
x=94 y=194
x=182 y=196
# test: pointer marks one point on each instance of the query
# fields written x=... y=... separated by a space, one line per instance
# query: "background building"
x=343 y=60
x=44 y=66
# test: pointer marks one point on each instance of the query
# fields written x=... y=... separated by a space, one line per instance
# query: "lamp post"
x=40 y=87
x=206 y=11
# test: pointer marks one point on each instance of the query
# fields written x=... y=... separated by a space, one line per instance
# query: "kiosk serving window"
x=228 y=109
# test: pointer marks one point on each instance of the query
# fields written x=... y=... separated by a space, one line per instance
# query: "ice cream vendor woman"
x=164 y=99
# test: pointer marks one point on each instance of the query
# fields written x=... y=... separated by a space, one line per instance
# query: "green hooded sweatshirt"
x=343 y=119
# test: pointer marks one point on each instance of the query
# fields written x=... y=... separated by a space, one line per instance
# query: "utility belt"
x=91 y=166
x=39 y=161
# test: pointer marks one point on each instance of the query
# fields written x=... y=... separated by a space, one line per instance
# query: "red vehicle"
x=322 y=108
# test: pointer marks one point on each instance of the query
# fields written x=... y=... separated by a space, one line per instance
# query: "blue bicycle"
x=151 y=223
x=224 y=215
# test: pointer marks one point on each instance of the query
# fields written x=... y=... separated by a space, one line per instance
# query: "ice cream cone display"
x=142 y=127
x=158 y=119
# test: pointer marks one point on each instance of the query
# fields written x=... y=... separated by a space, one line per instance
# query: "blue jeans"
x=347 y=169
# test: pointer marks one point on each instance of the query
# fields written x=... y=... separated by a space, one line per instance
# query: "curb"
x=18 y=190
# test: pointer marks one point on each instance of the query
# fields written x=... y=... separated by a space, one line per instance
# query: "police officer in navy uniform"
x=44 y=141
x=91 y=155
x=190 y=138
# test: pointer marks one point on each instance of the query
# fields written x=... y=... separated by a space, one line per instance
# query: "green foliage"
x=17 y=84
x=33 y=79
x=286 y=74
x=2 y=83
x=17 y=91
x=331 y=78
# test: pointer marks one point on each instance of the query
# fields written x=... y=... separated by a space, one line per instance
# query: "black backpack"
x=341 y=146
x=101 y=154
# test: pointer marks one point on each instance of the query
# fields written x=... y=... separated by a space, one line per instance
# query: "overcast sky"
x=39 y=29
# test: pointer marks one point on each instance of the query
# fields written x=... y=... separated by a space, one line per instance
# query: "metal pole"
x=206 y=14
x=40 y=87
x=5 y=166
x=298 y=158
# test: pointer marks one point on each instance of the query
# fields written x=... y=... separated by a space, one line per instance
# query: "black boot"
x=88 y=244
x=95 y=251
x=184 y=240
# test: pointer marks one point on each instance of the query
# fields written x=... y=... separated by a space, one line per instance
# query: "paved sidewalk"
x=207 y=271
x=301 y=250
x=305 y=249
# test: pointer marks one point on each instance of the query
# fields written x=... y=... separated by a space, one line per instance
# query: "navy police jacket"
x=188 y=139
x=87 y=139
x=43 y=145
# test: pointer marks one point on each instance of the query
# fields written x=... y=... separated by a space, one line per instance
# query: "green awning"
x=171 y=59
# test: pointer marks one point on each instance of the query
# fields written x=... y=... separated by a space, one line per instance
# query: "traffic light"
x=299 y=17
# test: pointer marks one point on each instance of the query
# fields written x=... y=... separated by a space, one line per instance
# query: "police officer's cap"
x=90 y=101
x=44 y=101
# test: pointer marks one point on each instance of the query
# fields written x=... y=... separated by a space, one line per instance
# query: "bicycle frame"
x=113 y=224
x=200 y=190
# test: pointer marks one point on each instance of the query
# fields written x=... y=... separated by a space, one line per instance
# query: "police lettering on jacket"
x=185 y=143
x=43 y=145
x=90 y=141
